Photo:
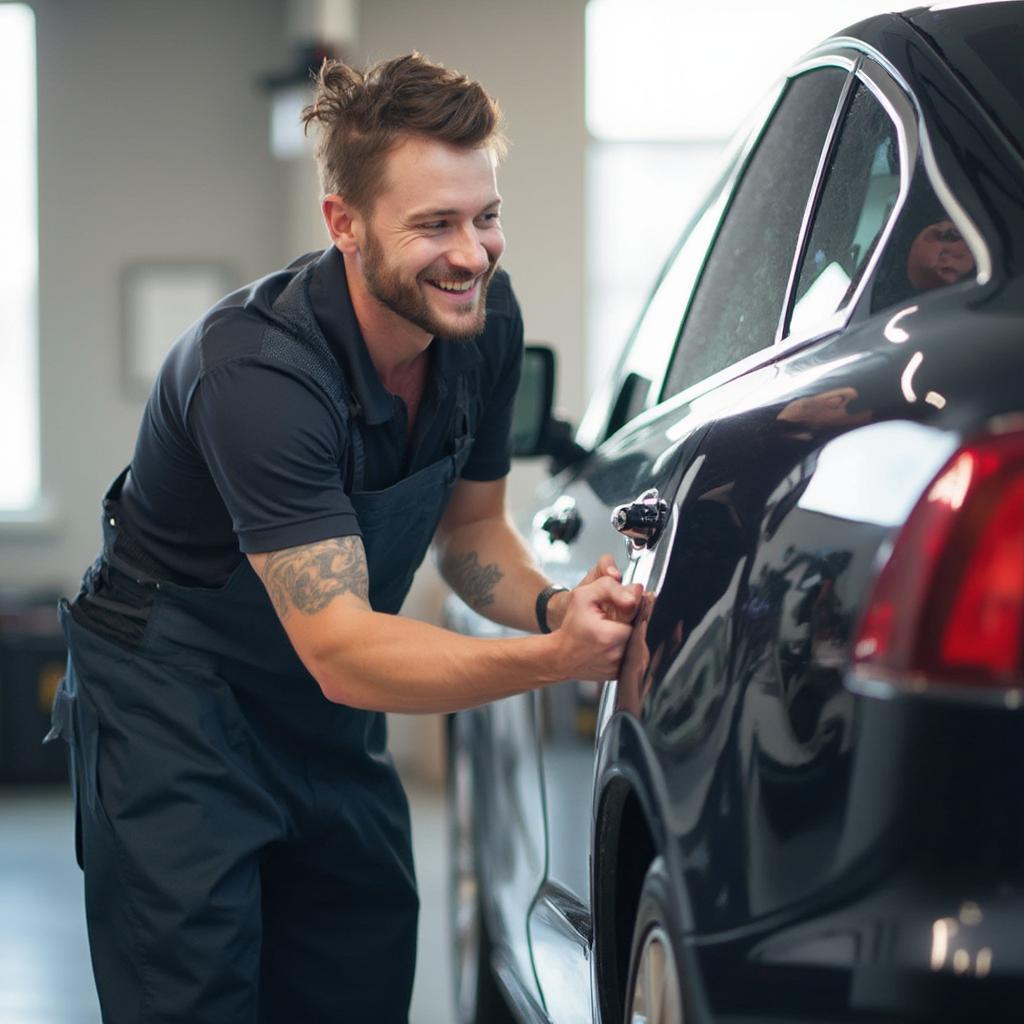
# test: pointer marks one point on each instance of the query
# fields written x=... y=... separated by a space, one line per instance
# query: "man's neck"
x=395 y=344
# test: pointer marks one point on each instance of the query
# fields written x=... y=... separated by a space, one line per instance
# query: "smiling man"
x=244 y=836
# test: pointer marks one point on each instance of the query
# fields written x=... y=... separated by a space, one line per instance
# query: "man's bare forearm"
x=391 y=663
x=369 y=659
x=489 y=566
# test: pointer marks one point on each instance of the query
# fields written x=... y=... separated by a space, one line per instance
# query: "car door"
x=658 y=424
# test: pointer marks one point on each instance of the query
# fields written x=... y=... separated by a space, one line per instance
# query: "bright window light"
x=19 y=390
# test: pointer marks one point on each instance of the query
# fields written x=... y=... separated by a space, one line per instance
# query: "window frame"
x=900 y=112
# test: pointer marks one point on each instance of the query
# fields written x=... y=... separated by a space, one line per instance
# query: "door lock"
x=642 y=520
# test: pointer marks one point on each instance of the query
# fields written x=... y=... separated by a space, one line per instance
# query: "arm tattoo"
x=310 y=577
x=473 y=582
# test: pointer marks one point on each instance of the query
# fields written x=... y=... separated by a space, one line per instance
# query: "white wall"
x=152 y=146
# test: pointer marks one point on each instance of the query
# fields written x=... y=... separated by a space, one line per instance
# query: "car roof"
x=983 y=44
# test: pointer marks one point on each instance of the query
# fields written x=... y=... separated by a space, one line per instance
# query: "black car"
x=803 y=797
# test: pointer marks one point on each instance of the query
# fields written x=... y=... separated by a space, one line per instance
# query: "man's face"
x=434 y=237
x=938 y=256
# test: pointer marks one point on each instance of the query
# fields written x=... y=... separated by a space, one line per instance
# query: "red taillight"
x=948 y=606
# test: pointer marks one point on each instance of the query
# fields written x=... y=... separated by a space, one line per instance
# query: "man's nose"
x=469 y=252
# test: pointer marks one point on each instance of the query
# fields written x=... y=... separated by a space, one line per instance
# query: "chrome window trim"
x=755 y=361
x=902 y=114
x=813 y=197
x=974 y=238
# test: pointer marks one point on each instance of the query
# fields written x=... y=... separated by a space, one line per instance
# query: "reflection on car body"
x=799 y=800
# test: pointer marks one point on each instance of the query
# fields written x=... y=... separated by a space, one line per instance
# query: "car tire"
x=655 y=992
x=477 y=997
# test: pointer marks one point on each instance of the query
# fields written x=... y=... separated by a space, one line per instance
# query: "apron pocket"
x=73 y=720
x=62 y=726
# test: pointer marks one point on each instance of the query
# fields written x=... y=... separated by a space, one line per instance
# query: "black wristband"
x=542 y=605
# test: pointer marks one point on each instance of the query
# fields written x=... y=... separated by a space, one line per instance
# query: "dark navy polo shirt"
x=239 y=453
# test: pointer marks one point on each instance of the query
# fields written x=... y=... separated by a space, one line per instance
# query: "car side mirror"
x=536 y=430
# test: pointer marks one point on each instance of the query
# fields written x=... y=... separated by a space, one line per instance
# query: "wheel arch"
x=628 y=835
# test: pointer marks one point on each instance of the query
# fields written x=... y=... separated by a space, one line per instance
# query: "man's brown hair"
x=362 y=115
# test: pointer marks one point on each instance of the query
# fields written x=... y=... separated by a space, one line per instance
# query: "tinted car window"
x=861 y=186
x=739 y=299
x=925 y=251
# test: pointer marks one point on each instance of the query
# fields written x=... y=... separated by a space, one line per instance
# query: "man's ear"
x=344 y=223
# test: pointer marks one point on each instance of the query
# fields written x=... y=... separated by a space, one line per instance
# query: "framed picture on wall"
x=159 y=300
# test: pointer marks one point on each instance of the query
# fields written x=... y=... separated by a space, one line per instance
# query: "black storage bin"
x=32 y=662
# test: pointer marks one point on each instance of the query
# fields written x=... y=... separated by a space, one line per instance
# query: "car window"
x=925 y=251
x=862 y=183
x=738 y=302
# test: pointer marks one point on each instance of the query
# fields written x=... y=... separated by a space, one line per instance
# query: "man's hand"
x=593 y=622
x=605 y=567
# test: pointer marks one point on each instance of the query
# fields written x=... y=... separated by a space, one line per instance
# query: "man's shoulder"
x=239 y=326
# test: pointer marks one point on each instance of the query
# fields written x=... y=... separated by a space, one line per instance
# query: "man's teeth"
x=454 y=286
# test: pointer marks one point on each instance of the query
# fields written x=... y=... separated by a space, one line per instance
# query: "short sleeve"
x=491 y=455
x=275 y=448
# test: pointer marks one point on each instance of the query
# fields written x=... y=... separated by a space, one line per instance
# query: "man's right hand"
x=596 y=627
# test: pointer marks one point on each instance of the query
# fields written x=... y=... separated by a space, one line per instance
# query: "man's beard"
x=408 y=301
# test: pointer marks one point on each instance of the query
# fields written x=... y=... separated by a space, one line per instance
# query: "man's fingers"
x=608 y=589
x=605 y=567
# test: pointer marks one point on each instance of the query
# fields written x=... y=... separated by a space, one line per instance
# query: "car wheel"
x=477 y=998
x=654 y=993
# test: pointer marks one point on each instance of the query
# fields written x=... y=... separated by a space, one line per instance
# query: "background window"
x=738 y=303
x=19 y=389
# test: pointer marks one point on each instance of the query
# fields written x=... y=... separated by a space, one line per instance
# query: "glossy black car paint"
x=818 y=837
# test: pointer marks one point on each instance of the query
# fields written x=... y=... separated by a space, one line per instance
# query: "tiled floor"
x=44 y=961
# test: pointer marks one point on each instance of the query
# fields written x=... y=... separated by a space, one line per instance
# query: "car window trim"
x=958 y=214
x=900 y=112
x=814 y=200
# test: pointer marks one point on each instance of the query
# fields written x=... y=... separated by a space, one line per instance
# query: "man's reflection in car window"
x=926 y=250
x=938 y=256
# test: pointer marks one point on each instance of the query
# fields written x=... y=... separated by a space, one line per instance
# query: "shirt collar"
x=332 y=306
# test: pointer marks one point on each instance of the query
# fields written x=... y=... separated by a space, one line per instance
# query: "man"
x=244 y=837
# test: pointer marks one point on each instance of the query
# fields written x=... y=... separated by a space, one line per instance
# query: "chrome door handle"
x=641 y=521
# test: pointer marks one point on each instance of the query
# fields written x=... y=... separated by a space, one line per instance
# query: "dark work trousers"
x=245 y=842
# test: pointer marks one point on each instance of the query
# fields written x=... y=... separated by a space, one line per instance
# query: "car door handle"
x=562 y=521
x=642 y=520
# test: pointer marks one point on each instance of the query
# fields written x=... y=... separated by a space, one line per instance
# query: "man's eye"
x=435 y=225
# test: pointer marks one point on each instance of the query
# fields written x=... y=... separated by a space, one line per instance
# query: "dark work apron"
x=245 y=841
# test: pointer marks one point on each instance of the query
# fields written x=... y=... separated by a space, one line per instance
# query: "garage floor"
x=44 y=961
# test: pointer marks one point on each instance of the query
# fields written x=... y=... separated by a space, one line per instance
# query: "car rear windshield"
x=985 y=44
